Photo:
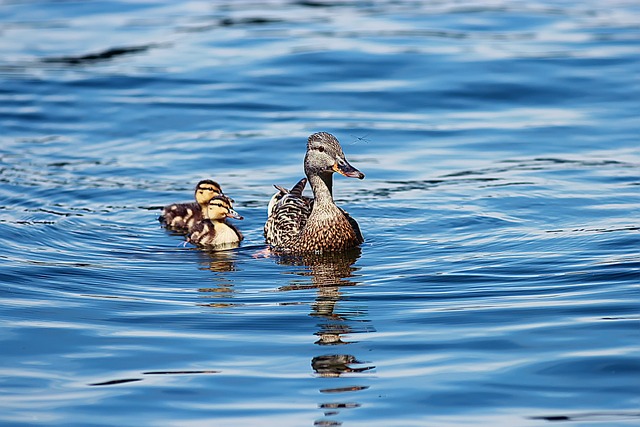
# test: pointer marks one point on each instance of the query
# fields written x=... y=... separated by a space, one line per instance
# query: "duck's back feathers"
x=288 y=215
x=181 y=216
x=297 y=189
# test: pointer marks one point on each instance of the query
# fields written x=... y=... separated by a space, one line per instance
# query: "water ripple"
x=500 y=210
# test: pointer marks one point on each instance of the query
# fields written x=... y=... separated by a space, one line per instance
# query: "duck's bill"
x=344 y=168
x=233 y=214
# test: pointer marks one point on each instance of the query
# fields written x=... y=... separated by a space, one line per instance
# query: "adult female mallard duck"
x=297 y=224
x=214 y=230
x=183 y=216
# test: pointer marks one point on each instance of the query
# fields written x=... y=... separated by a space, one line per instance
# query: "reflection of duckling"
x=183 y=216
x=214 y=230
x=324 y=227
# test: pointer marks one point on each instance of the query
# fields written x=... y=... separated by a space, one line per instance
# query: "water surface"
x=498 y=284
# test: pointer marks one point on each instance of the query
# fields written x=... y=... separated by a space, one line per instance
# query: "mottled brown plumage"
x=214 y=230
x=296 y=225
x=183 y=216
x=292 y=212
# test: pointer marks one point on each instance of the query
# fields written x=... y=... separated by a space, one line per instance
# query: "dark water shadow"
x=130 y=380
x=591 y=417
x=104 y=55
x=329 y=274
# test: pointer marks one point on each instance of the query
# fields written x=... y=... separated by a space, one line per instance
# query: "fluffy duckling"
x=296 y=225
x=183 y=216
x=214 y=230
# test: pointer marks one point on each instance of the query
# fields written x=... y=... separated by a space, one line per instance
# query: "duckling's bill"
x=233 y=214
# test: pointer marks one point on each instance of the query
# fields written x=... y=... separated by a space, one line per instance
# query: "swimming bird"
x=183 y=216
x=296 y=224
x=214 y=230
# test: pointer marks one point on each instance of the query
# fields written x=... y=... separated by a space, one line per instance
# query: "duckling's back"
x=181 y=216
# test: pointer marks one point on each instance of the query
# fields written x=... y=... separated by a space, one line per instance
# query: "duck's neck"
x=322 y=186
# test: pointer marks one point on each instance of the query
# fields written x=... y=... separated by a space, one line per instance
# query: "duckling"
x=295 y=225
x=183 y=216
x=214 y=230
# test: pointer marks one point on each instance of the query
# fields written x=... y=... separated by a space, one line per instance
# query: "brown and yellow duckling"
x=214 y=230
x=299 y=225
x=183 y=216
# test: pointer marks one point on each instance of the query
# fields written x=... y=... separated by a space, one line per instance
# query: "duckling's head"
x=219 y=208
x=325 y=156
x=206 y=190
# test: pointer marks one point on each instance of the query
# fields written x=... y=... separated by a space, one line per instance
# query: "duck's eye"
x=321 y=149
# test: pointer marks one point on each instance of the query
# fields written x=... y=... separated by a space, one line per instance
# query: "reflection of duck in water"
x=330 y=273
x=334 y=365
x=298 y=225
x=214 y=231
x=326 y=270
x=183 y=216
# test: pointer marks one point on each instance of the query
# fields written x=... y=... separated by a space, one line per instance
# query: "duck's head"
x=206 y=190
x=219 y=208
x=325 y=156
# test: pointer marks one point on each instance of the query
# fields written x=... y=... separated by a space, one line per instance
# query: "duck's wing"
x=288 y=216
x=276 y=198
x=181 y=216
x=297 y=189
x=354 y=225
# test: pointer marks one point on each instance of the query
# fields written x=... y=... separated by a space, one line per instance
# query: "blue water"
x=498 y=284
